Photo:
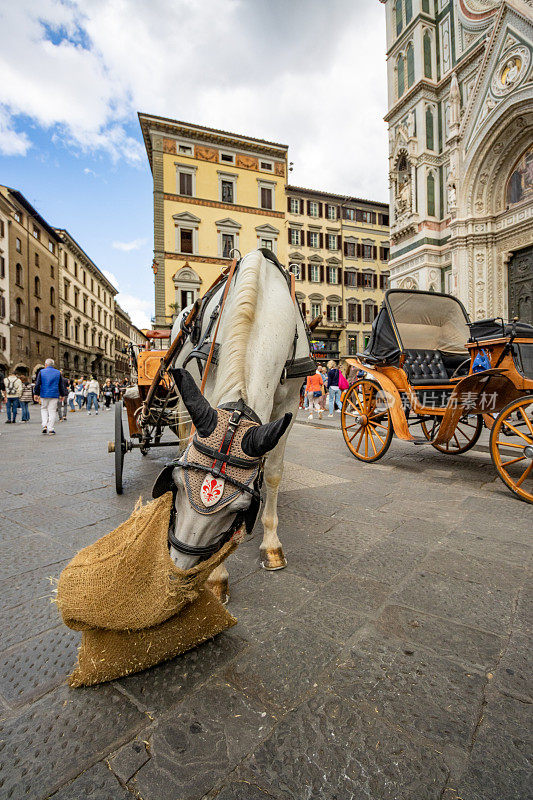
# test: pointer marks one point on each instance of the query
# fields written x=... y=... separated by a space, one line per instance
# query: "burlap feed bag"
x=105 y=655
x=194 y=478
x=127 y=580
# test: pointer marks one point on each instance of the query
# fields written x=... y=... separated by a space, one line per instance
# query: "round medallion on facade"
x=510 y=71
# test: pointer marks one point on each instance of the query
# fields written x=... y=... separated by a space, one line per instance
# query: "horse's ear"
x=203 y=415
x=260 y=439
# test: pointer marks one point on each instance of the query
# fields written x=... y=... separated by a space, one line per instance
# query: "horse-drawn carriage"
x=428 y=365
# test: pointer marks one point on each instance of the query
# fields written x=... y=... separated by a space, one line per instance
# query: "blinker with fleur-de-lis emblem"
x=211 y=490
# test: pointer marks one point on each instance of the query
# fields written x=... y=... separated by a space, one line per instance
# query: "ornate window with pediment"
x=186 y=226
x=187 y=285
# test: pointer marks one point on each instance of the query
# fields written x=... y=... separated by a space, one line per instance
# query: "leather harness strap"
x=222 y=304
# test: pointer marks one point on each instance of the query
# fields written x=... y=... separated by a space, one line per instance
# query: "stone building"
x=137 y=337
x=460 y=78
x=86 y=313
x=33 y=286
x=214 y=192
x=122 y=339
x=6 y=215
x=338 y=249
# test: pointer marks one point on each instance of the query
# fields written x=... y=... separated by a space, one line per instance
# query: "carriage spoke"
x=372 y=441
x=512 y=461
x=357 y=446
x=510 y=444
x=355 y=433
x=377 y=434
x=366 y=442
x=518 y=433
x=527 y=421
x=524 y=475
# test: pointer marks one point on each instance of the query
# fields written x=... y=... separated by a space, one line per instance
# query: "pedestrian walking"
x=314 y=387
x=107 y=391
x=13 y=393
x=322 y=398
x=116 y=392
x=25 y=399
x=71 y=400
x=93 y=392
x=2 y=390
x=50 y=388
x=62 y=407
x=334 y=392
x=78 y=392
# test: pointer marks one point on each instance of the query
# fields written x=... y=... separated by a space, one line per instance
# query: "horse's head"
x=217 y=480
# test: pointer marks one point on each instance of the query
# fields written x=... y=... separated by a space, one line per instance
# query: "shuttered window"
x=401 y=77
x=410 y=66
x=430 y=142
x=186 y=183
x=349 y=249
x=431 y=194
x=427 y=55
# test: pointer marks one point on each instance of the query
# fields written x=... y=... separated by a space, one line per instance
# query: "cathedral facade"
x=460 y=92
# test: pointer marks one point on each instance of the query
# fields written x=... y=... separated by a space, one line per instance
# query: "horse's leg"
x=272 y=556
x=218 y=583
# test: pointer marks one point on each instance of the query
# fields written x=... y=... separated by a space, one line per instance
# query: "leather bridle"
x=221 y=460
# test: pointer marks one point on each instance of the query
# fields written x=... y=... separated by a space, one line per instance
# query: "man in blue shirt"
x=49 y=387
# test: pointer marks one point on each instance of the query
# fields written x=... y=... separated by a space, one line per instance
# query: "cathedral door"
x=520 y=281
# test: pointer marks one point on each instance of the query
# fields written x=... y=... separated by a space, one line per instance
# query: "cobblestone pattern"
x=391 y=660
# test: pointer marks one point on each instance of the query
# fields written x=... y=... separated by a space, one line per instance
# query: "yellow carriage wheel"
x=466 y=434
x=511 y=446
x=366 y=421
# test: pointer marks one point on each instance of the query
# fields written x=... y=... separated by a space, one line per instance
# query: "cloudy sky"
x=308 y=73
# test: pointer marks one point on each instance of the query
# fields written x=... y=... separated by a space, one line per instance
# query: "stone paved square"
x=390 y=660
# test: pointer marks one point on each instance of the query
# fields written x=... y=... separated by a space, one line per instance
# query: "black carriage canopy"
x=415 y=320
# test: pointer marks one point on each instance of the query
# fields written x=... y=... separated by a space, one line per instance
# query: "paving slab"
x=284 y=668
x=193 y=749
x=34 y=667
x=462 y=643
x=96 y=783
x=59 y=736
x=463 y=601
x=164 y=686
x=327 y=749
x=500 y=766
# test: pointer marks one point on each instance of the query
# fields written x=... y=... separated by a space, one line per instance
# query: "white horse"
x=256 y=337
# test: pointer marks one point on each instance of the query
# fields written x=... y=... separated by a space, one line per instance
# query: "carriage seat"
x=425 y=367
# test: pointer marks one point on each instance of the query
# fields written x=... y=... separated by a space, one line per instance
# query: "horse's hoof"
x=219 y=589
x=272 y=558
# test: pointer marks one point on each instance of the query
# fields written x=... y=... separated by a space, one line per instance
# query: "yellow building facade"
x=338 y=249
x=214 y=193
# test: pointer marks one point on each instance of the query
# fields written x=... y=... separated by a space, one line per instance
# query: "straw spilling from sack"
x=134 y=606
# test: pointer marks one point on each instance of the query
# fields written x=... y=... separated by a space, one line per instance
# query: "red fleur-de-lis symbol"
x=211 y=491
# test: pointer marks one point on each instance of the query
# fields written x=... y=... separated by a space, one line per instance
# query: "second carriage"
x=432 y=375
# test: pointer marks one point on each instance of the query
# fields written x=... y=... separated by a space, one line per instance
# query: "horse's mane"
x=239 y=313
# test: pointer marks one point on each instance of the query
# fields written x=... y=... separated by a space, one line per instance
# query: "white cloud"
x=11 y=142
x=307 y=73
x=111 y=277
x=135 y=244
x=139 y=310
